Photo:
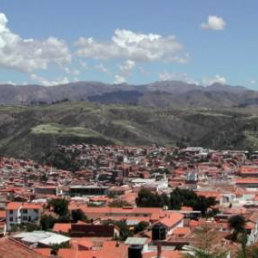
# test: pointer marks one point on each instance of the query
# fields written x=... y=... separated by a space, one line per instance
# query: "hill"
x=33 y=131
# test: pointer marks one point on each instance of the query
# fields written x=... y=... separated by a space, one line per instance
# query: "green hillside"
x=33 y=131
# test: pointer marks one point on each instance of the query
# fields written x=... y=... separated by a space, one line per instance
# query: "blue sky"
x=137 y=41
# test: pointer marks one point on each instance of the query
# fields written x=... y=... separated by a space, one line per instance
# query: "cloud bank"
x=27 y=55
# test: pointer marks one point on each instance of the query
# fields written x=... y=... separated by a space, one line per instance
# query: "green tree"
x=124 y=229
x=78 y=214
x=60 y=206
x=244 y=253
x=141 y=226
x=119 y=203
x=146 y=198
x=62 y=159
x=56 y=247
x=237 y=223
x=202 y=203
x=182 y=197
x=250 y=252
x=47 y=222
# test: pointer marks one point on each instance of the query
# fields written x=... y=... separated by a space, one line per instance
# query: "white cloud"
x=101 y=68
x=45 y=82
x=214 y=23
x=27 y=55
x=137 y=47
x=76 y=72
x=215 y=79
x=174 y=76
x=119 y=79
x=125 y=70
x=67 y=70
x=9 y=82
x=127 y=67
x=84 y=65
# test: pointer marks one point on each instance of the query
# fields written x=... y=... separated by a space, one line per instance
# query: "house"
x=18 y=213
x=248 y=171
x=150 y=214
x=84 y=190
x=89 y=230
x=46 y=190
x=247 y=182
x=41 y=238
x=172 y=221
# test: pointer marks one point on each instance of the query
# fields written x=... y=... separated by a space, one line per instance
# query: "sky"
x=52 y=42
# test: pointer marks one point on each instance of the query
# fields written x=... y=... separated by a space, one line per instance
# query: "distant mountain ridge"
x=161 y=94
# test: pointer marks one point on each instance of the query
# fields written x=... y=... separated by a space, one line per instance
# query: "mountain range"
x=162 y=94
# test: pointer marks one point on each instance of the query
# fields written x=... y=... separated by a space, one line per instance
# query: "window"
x=11 y=211
x=11 y=218
x=24 y=218
x=25 y=211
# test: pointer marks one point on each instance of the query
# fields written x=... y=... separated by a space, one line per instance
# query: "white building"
x=41 y=238
x=18 y=213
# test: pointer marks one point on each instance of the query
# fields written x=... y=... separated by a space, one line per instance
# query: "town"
x=128 y=201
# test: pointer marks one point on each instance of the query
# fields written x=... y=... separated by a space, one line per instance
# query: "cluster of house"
x=118 y=173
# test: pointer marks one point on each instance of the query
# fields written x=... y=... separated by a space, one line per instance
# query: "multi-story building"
x=19 y=213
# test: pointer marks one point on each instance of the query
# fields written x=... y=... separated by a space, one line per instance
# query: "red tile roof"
x=13 y=206
x=62 y=227
x=182 y=231
x=18 y=205
x=172 y=219
x=246 y=181
x=2 y=214
x=194 y=223
x=10 y=248
x=110 y=249
x=44 y=251
x=164 y=254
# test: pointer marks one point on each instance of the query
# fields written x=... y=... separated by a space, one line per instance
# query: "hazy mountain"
x=165 y=94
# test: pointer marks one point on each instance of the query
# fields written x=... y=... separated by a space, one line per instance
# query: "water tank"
x=158 y=232
x=135 y=251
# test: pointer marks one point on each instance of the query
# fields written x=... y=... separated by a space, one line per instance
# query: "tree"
x=123 y=229
x=206 y=245
x=29 y=227
x=182 y=197
x=199 y=253
x=60 y=206
x=64 y=160
x=47 y=222
x=44 y=178
x=243 y=252
x=78 y=215
x=237 y=223
x=56 y=247
x=250 y=252
x=141 y=226
x=119 y=203
x=146 y=198
x=202 y=203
